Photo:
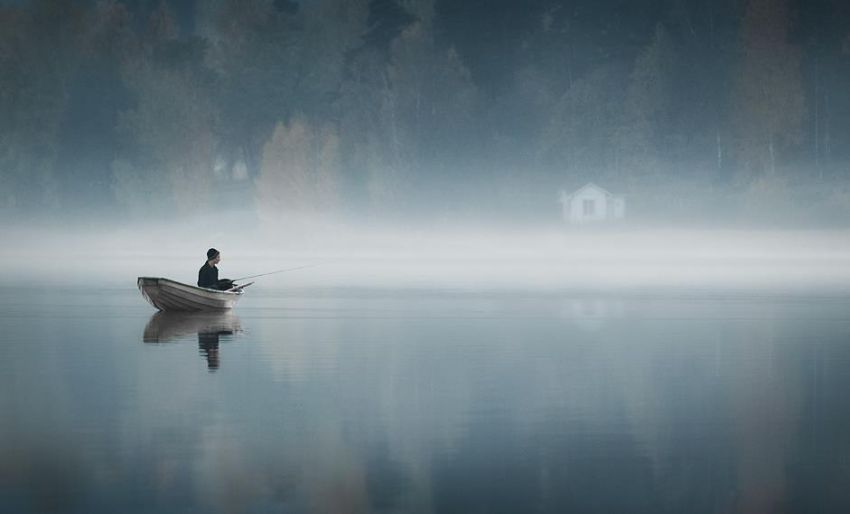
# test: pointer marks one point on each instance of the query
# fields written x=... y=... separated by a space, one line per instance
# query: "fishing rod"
x=278 y=271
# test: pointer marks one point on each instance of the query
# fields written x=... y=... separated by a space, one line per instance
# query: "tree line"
x=428 y=108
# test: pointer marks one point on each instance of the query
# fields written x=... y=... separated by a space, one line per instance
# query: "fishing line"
x=278 y=271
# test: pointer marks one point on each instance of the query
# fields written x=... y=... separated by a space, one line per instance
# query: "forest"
x=429 y=110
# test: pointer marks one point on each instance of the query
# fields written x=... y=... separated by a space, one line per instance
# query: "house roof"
x=589 y=185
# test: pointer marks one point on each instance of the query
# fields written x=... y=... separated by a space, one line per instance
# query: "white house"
x=591 y=204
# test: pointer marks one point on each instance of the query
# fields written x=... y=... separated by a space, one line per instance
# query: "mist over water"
x=471 y=257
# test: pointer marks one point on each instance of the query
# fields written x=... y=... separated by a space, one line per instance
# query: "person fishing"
x=208 y=274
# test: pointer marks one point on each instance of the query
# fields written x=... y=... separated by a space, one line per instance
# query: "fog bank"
x=460 y=259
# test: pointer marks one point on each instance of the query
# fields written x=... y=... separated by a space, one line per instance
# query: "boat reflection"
x=211 y=329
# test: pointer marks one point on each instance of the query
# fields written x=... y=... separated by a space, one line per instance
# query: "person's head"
x=213 y=256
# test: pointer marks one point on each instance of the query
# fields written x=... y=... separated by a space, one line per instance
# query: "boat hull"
x=169 y=295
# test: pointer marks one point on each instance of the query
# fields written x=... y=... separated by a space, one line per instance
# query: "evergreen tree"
x=768 y=104
x=38 y=55
x=169 y=133
x=646 y=109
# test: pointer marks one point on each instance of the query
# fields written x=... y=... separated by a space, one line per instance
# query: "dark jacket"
x=208 y=276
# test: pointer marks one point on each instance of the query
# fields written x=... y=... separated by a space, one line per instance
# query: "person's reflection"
x=208 y=346
x=165 y=327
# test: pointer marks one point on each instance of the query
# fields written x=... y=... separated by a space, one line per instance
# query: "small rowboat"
x=169 y=295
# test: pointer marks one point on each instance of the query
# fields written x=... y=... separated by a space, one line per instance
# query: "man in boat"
x=208 y=274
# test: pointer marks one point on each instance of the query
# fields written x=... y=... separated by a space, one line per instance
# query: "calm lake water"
x=425 y=401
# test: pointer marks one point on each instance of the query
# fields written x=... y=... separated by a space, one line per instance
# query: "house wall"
x=618 y=207
x=576 y=206
x=605 y=206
